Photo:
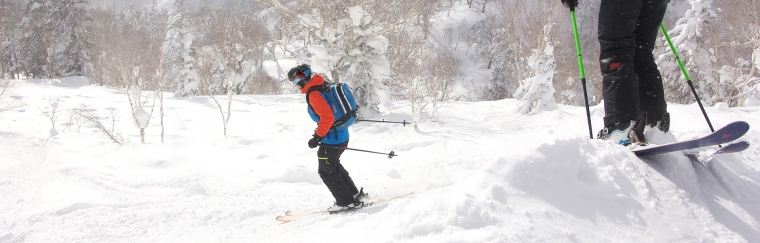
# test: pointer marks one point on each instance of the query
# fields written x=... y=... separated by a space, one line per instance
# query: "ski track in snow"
x=481 y=173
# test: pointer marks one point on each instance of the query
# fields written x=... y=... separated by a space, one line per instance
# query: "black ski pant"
x=632 y=83
x=333 y=174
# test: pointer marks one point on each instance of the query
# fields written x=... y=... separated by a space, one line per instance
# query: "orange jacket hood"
x=316 y=80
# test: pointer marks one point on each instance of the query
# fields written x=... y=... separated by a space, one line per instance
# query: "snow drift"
x=482 y=173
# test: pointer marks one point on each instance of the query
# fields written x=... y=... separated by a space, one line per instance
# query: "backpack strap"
x=319 y=88
x=342 y=120
x=350 y=113
x=346 y=117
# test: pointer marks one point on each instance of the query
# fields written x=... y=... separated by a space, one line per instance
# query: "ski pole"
x=686 y=75
x=580 y=66
x=384 y=121
x=390 y=155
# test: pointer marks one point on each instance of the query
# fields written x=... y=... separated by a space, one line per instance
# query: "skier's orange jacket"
x=320 y=106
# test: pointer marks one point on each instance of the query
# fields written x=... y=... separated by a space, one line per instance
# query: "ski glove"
x=314 y=142
x=572 y=4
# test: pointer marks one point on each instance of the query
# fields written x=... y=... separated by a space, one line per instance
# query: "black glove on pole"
x=572 y=4
x=314 y=141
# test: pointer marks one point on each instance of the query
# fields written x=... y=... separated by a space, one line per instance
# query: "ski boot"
x=335 y=208
x=625 y=133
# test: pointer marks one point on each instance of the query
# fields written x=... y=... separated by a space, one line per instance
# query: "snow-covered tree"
x=225 y=63
x=352 y=52
x=129 y=46
x=754 y=90
x=177 y=58
x=508 y=36
x=134 y=68
x=405 y=83
x=690 y=39
x=8 y=38
x=235 y=41
x=369 y=67
x=35 y=39
x=736 y=39
x=139 y=102
x=537 y=93
x=215 y=79
x=750 y=87
x=154 y=25
x=55 y=41
x=71 y=43
x=587 y=15
x=490 y=40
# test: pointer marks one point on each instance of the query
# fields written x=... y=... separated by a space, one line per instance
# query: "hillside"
x=481 y=173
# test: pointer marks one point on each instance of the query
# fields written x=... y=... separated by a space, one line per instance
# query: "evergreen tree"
x=177 y=53
x=56 y=38
x=8 y=38
x=71 y=43
x=35 y=39
x=369 y=67
x=503 y=76
x=537 y=93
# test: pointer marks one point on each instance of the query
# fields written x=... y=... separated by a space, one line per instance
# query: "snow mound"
x=481 y=173
x=563 y=173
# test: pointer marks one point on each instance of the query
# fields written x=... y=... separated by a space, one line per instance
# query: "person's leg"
x=342 y=171
x=329 y=171
x=347 y=179
x=651 y=91
x=618 y=21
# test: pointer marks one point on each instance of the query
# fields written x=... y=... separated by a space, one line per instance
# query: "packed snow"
x=481 y=173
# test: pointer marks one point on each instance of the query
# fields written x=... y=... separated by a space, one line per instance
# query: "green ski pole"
x=583 y=72
x=686 y=75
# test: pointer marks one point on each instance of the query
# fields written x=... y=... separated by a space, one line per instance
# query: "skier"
x=331 y=142
x=634 y=97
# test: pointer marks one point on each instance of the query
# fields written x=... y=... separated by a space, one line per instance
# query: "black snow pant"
x=333 y=174
x=632 y=83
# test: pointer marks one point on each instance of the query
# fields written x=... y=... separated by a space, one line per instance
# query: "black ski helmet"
x=303 y=72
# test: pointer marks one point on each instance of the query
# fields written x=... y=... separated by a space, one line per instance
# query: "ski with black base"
x=724 y=135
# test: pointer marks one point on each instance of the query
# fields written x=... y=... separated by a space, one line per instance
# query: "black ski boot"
x=335 y=208
x=625 y=133
x=361 y=194
x=663 y=124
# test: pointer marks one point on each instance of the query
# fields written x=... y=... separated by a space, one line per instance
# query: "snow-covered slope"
x=482 y=173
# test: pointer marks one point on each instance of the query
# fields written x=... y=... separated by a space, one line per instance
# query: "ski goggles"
x=299 y=79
